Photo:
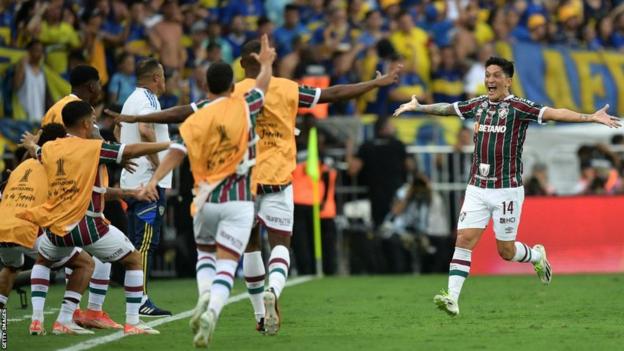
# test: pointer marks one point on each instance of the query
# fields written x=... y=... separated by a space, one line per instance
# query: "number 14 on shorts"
x=508 y=207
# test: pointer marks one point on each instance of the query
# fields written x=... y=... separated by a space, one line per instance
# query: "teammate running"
x=219 y=140
x=272 y=177
x=495 y=187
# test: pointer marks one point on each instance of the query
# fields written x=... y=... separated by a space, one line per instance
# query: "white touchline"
x=91 y=343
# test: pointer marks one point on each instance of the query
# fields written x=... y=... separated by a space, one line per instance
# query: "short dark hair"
x=263 y=20
x=369 y=13
x=219 y=77
x=75 y=111
x=291 y=7
x=50 y=132
x=123 y=56
x=250 y=47
x=506 y=65
x=146 y=67
x=83 y=74
x=401 y=14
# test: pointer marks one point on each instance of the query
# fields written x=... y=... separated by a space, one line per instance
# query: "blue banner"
x=560 y=77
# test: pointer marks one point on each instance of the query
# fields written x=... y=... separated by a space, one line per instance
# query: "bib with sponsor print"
x=71 y=166
x=27 y=187
x=276 y=150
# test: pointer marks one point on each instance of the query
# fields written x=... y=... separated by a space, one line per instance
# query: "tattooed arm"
x=564 y=115
x=441 y=109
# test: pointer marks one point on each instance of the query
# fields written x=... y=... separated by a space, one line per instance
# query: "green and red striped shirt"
x=92 y=226
x=499 y=133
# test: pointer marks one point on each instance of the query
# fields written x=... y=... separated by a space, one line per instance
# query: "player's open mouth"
x=491 y=88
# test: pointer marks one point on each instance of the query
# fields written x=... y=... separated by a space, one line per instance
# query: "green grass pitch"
x=581 y=312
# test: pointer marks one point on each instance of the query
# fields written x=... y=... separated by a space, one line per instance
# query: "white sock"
x=253 y=270
x=222 y=285
x=3 y=300
x=526 y=254
x=133 y=285
x=70 y=302
x=205 y=270
x=98 y=284
x=39 y=283
x=458 y=271
x=279 y=262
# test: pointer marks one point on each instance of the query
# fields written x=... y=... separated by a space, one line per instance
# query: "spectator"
x=604 y=34
x=123 y=82
x=538 y=32
x=381 y=165
x=265 y=26
x=165 y=37
x=135 y=32
x=292 y=28
x=570 y=24
x=412 y=43
x=336 y=36
x=247 y=10
x=94 y=45
x=215 y=36
x=30 y=84
x=313 y=15
x=196 y=52
x=373 y=29
x=410 y=83
x=238 y=35
x=537 y=184
x=447 y=79
x=58 y=37
x=473 y=81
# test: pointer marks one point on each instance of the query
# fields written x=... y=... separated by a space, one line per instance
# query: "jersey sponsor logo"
x=484 y=169
x=487 y=128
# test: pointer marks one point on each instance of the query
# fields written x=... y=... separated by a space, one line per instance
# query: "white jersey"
x=142 y=102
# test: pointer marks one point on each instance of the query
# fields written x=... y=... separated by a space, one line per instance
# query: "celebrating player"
x=220 y=142
x=27 y=187
x=273 y=173
x=495 y=187
x=72 y=214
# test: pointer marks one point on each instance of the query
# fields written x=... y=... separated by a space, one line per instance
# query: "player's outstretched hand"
x=119 y=118
x=267 y=54
x=389 y=78
x=601 y=116
x=408 y=106
x=148 y=192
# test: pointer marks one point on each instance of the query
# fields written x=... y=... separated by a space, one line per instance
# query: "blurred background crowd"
x=441 y=44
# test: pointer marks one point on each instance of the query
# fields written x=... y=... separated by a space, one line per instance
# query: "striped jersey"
x=499 y=133
x=93 y=225
x=235 y=187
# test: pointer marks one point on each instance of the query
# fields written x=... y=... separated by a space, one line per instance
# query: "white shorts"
x=277 y=210
x=504 y=206
x=111 y=247
x=227 y=224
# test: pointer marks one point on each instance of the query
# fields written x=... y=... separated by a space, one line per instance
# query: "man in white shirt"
x=145 y=219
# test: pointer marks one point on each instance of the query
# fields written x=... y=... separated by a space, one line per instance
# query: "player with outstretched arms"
x=495 y=187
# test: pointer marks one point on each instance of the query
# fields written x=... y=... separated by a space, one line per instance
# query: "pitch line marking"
x=91 y=343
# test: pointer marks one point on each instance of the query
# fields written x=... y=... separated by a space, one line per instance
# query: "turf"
x=385 y=313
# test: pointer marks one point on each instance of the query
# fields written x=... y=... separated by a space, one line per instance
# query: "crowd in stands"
x=442 y=44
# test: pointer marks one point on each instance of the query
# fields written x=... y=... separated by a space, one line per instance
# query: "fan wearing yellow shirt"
x=412 y=43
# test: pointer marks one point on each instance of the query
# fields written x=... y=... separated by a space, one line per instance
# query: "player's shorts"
x=276 y=210
x=111 y=247
x=504 y=206
x=227 y=224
